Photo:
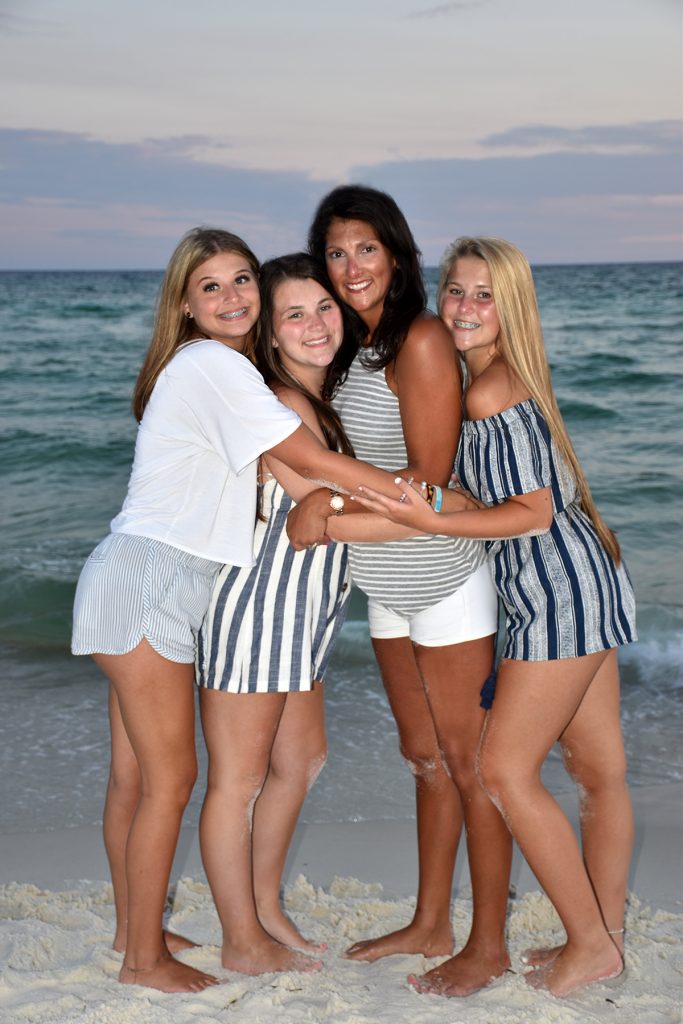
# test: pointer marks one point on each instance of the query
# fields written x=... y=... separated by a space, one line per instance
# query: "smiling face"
x=307 y=329
x=468 y=308
x=222 y=296
x=359 y=266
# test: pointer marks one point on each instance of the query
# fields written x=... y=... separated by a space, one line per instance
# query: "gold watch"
x=336 y=502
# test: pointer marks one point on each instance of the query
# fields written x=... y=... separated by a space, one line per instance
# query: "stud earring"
x=188 y=315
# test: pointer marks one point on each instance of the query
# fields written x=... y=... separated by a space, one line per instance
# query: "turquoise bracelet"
x=438 y=498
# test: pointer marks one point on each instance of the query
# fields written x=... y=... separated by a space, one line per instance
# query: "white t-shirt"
x=193 y=482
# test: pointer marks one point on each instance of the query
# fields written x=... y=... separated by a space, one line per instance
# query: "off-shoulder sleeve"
x=513 y=453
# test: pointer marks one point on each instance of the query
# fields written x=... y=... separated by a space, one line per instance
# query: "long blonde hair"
x=171 y=327
x=520 y=344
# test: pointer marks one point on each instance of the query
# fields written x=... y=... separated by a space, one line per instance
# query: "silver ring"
x=404 y=497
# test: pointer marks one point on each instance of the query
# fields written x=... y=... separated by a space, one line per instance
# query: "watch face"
x=337 y=503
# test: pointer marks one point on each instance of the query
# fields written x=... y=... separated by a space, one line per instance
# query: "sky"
x=553 y=123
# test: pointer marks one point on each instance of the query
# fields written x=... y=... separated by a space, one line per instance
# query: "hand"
x=409 y=509
x=307 y=522
x=458 y=499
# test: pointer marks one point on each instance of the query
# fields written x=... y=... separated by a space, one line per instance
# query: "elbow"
x=544 y=521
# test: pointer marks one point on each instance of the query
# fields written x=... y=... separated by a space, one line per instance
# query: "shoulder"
x=428 y=348
x=497 y=388
x=212 y=359
x=292 y=398
x=428 y=330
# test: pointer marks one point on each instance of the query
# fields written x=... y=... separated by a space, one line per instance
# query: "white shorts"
x=468 y=614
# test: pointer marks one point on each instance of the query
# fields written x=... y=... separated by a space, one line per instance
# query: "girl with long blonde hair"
x=568 y=603
x=206 y=416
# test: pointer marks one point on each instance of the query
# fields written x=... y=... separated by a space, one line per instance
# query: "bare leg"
x=594 y=756
x=535 y=702
x=123 y=794
x=453 y=677
x=297 y=757
x=439 y=811
x=147 y=684
x=239 y=730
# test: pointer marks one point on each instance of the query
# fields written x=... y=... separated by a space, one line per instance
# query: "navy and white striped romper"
x=272 y=627
x=563 y=595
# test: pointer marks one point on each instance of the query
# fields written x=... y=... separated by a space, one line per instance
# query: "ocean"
x=71 y=344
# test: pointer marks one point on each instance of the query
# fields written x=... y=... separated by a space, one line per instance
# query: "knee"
x=425 y=764
x=595 y=776
x=300 y=768
x=172 y=787
x=497 y=775
x=236 y=782
x=184 y=781
x=461 y=764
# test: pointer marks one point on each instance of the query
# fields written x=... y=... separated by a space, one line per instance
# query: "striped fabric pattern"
x=563 y=595
x=272 y=627
x=133 y=587
x=409 y=575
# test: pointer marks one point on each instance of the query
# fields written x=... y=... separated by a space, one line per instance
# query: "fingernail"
x=397 y=479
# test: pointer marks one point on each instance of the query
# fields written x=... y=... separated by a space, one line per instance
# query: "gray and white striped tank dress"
x=408 y=575
x=272 y=627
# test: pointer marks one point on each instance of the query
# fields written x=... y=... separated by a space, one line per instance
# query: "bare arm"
x=366 y=528
x=296 y=486
x=520 y=515
x=308 y=456
x=426 y=379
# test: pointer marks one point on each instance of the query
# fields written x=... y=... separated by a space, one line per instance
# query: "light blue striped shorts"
x=133 y=588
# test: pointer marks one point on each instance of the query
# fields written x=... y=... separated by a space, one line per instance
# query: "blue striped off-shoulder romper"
x=272 y=627
x=563 y=595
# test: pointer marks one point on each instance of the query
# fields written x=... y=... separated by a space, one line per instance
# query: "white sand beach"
x=344 y=881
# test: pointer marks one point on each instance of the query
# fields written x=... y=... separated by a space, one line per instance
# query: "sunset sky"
x=554 y=124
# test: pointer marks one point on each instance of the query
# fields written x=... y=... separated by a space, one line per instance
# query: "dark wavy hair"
x=300 y=266
x=406 y=297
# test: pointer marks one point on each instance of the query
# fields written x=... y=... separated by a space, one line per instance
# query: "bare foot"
x=167 y=975
x=468 y=971
x=574 y=968
x=174 y=943
x=541 y=956
x=411 y=939
x=279 y=926
x=264 y=956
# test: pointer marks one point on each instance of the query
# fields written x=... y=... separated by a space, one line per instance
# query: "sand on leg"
x=439 y=811
x=535 y=701
x=240 y=730
x=146 y=683
x=593 y=751
x=453 y=677
x=297 y=757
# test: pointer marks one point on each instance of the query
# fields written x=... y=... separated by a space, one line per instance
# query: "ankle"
x=145 y=970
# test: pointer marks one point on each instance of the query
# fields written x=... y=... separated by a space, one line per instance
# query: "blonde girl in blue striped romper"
x=568 y=603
